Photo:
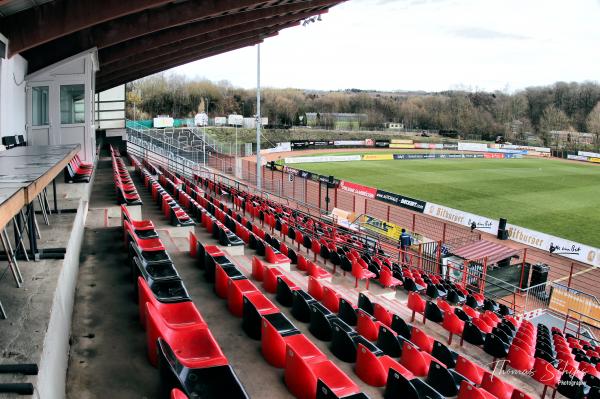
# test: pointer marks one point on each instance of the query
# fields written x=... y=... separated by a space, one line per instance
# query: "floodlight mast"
x=258 y=160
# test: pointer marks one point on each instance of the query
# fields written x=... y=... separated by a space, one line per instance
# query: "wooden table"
x=34 y=167
x=24 y=173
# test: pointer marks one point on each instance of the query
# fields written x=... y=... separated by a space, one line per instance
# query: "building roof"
x=136 y=38
x=481 y=249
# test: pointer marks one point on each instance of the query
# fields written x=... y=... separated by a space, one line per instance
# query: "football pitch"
x=552 y=196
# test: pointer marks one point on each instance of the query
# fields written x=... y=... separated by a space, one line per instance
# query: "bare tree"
x=593 y=123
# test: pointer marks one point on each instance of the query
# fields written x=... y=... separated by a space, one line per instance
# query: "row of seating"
x=308 y=373
x=124 y=186
x=78 y=171
x=249 y=233
x=179 y=342
x=168 y=205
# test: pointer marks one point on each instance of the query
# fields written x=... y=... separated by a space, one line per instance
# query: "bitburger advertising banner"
x=382 y=143
x=555 y=245
x=359 y=189
x=401 y=201
x=462 y=218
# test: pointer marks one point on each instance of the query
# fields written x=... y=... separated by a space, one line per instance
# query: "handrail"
x=579 y=321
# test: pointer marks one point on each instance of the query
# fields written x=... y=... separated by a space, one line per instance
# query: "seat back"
x=469 y=369
x=399 y=386
x=365 y=304
x=440 y=379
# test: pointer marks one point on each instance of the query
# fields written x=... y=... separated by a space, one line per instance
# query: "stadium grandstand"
x=155 y=263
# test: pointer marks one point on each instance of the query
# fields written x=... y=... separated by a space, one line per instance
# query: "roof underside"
x=136 y=38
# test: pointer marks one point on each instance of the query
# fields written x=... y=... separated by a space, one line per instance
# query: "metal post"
x=204 y=142
x=258 y=161
x=54 y=195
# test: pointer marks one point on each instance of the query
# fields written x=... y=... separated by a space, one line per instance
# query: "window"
x=39 y=106
x=72 y=104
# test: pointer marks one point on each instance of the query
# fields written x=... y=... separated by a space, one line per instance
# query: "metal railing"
x=191 y=139
x=581 y=325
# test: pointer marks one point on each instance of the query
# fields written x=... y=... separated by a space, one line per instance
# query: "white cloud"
x=425 y=44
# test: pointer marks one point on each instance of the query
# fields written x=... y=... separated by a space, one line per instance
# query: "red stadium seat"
x=302 y=263
x=367 y=326
x=519 y=359
x=274 y=256
x=453 y=325
x=421 y=340
x=361 y=273
x=270 y=279
x=468 y=369
x=258 y=269
x=469 y=391
x=416 y=304
x=546 y=374
x=317 y=271
x=278 y=332
x=224 y=274
x=256 y=305
x=382 y=314
x=496 y=386
x=387 y=280
x=315 y=288
x=177 y=394
x=416 y=361
x=235 y=293
x=301 y=376
x=373 y=369
x=194 y=345
x=331 y=299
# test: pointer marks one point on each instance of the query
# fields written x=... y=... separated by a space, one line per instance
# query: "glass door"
x=39 y=122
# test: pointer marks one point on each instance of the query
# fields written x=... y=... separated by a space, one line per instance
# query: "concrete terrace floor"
x=28 y=308
x=108 y=352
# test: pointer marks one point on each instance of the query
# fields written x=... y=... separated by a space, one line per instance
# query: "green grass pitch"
x=556 y=197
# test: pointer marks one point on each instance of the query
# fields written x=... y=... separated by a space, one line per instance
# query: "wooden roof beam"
x=165 y=37
x=37 y=25
x=109 y=82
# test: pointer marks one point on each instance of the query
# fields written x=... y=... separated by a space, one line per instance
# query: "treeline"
x=538 y=110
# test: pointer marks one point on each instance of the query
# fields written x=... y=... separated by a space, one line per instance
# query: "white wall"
x=12 y=95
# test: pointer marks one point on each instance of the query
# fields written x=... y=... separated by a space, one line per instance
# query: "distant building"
x=561 y=137
x=250 y=123
x=334 y=120
x=394 y=126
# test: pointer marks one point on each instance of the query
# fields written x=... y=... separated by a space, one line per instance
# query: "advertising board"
x=349 y=142
x=378 y=226
x=462 y=218
x=323 y=158
x=464 y=146
x=378 y=157
x=401 y=201
x=555 y=245
x=359 y=189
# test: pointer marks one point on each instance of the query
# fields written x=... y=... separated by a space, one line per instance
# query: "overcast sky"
x=428 y=45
